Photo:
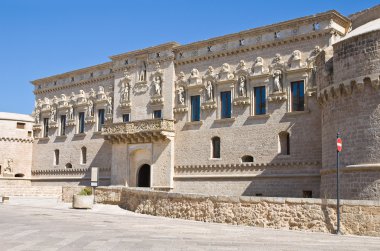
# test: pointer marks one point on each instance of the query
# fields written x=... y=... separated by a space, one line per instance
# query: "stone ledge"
x=353 y=168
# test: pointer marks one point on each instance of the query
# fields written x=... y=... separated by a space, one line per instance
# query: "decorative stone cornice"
x=353 y=168
x=258 y=46
x=348 y=87
x=69 y=74
x=73 y=171
x=244 y=168
x=148 y=50
x=21 y=140
x=74 y=84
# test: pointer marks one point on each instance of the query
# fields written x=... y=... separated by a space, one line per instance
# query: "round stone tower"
x=349 y=93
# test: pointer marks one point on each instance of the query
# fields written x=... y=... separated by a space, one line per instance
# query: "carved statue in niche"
x=277 y=79
x=126 y=75
x=90 y=108
x=242 y=86
x=46 y=101
x=101 y=90
x=142 y=74
x=194 y=73
x=125 y=92
x=8 y=168
x=157 y=85
x=53 y=114
x=37 y=114
x=71 y=112
x=81 y=93
x=181 y=98
x=209 y=91
x=109 y=105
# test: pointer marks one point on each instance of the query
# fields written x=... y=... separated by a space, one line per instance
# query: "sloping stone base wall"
x=23 y=187
x=357 y=217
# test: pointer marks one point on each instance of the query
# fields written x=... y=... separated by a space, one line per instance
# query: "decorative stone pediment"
x=45 y=105
x=241 y=69
x=181 y=81
x=63 y=102
x=258 y=67
x=210 y=75
x=101 y=95
x=194 y=79
x=295 y=60
x=81 y=99
x=225 y=74
x=92 y=94
x=157 y=71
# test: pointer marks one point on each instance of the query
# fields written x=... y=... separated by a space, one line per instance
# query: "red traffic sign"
x=339 y=144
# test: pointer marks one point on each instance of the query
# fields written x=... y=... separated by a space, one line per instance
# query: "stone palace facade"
x=252 y=113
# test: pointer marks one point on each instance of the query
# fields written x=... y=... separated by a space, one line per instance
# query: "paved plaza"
x=47 y=224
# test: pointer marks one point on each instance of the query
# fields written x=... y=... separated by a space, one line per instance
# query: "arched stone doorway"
x=143 y=176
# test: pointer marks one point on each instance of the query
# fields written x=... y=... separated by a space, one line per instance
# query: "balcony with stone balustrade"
x=140 y=131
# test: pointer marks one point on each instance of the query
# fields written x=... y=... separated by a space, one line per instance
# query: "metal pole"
x=337 y=190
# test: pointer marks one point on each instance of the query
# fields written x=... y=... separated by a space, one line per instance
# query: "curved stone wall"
x=352 y=106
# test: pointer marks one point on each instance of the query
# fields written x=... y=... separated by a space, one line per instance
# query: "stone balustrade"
x=138 y=131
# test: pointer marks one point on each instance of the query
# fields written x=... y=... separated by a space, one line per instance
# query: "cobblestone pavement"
x=46 y=224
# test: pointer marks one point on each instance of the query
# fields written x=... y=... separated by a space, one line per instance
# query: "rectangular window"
x=20 y=125
x=226 y=104
x=195 y=108
x=100 y=119
x=260 y=100
x=157 y=114
x=81 y=122
x=63 y=125
x=126 y=118
x=46 y=127
x=298 y=96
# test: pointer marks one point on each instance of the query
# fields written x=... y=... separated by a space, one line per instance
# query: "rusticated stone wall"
x=357 y=217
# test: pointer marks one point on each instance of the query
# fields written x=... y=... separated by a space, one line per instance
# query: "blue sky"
x=40 y=38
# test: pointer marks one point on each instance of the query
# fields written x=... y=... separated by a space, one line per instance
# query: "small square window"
x=157 y=114
x=126 y=118
x=307 y=194
x=20 y=125
x=316 y=26
x=29 y=133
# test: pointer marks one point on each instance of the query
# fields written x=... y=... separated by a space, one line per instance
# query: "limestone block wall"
x=357 y=217
x=351 y=106
x=71 y=167
x=249 y=134
x=16 y=141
